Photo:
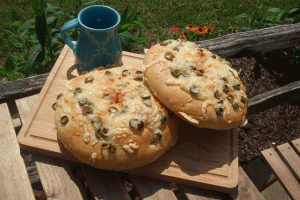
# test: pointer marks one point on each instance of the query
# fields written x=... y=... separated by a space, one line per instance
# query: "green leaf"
x=281 y=16
x=15 y=16
x=26 y=25
x=36 y=47
x=36 y=57
x=9 y=64
x=16 y=41
x=275 y=10
x=140 y=25
x=88 y=2
x=242 y=16
x=8 y=29
x=37 y=6
x=51 y=21
x=16 y=24
x=293 y=12
x=24 y=36
x=41 y=29
x=19 y=58
x=52 y=9
x=128 y=26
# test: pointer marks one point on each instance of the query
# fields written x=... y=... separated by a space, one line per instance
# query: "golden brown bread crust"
x=113 y=121
x=196 y=85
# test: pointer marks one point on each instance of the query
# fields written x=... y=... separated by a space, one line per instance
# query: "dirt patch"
x=262 y=73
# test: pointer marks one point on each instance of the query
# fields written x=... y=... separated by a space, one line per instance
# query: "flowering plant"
x=193 y=33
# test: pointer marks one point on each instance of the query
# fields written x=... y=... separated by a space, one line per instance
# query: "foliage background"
x=158 y=16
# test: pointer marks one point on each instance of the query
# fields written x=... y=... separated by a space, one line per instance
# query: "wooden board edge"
x=24 y=129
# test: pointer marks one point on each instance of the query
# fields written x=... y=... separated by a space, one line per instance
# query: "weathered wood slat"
x=245 y=190
x=55 y=174
x=274 y=97
x=194 y=193
x=284 y=175
x=14 y=180
x=22 y=87
x=296 y=145
x=104 y=184
x=57 y=179
x=262 y=40
x=152 y=189
x=291 y=158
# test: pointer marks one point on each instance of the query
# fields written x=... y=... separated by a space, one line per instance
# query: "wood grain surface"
x=296 y=145
x=55 y=174
x=156 y=189
x=245 y=190
x=13 y=173
x=201 y=157
x=104 y=184
x=283 y=174
x=291 y=158
x=262 y=40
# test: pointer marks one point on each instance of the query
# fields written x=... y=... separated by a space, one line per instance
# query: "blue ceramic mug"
x=98 y=43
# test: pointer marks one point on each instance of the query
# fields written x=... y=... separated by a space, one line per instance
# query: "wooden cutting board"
x=201 y=157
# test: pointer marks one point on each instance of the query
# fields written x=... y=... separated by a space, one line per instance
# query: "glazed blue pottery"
x=98 y=43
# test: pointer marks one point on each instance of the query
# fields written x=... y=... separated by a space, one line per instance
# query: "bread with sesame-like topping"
x=198 y=86
x=109 y=119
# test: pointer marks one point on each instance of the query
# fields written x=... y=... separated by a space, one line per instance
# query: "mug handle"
x=69 y=25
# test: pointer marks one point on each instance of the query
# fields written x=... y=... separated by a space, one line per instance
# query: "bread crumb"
x=128 y=149
x=86 y=137
x=94 y=143
x=94 y=156
x=133 y=145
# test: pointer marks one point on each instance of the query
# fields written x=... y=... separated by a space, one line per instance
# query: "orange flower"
x=189 y=27
x=175 y=29
x=199 y=30
x=186 y=34
x=209 y=30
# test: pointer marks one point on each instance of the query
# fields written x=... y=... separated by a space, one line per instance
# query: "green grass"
x=159 y=15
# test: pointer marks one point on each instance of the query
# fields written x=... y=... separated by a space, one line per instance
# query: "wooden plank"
x=152 y=189
x=262 y=40
x=291 y=158
x=55 y=175
x=57 y=178
x=22 y=87
x=245 y=190
x=296 y=145
x=260 y=174
x=194 y=193
x=14 y=180
x=104 y=184
x=274 y=97
x=284 y=175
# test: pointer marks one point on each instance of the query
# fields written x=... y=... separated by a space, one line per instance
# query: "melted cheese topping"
x=190 y=58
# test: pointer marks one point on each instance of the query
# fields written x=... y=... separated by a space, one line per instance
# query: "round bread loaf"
x=196 y=85
x=109 y=119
